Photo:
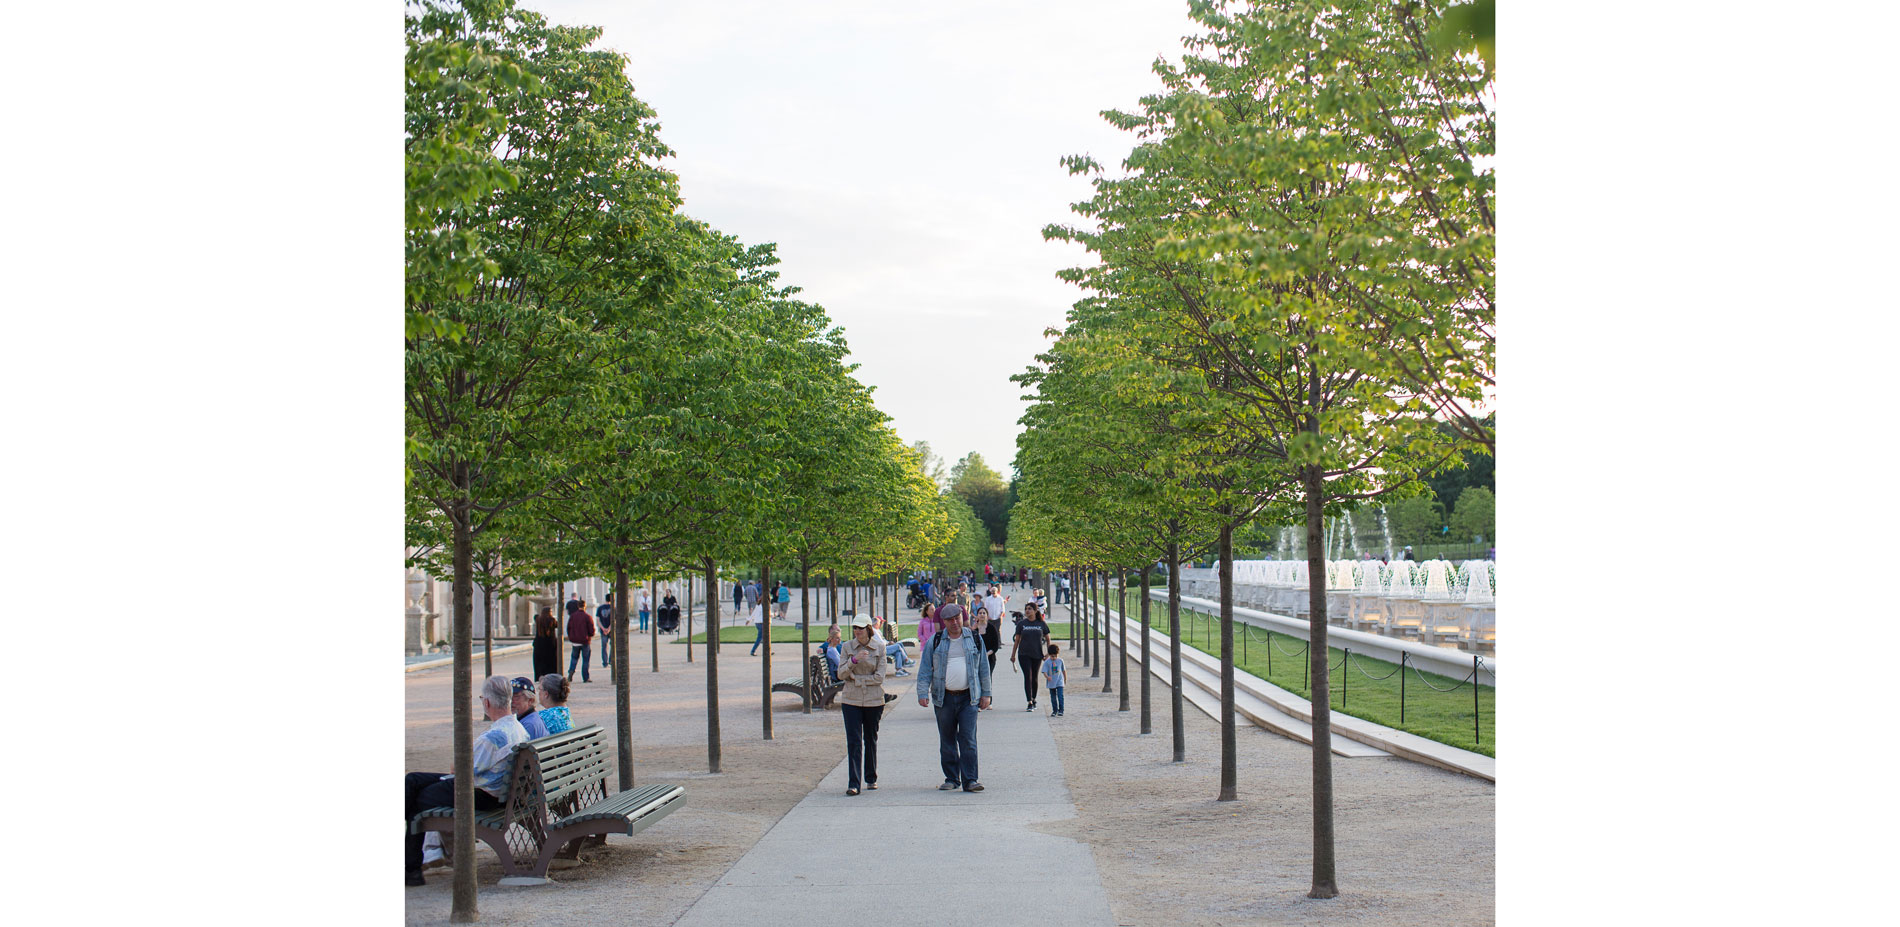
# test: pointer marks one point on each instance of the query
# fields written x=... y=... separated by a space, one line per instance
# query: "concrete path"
x=907 y=854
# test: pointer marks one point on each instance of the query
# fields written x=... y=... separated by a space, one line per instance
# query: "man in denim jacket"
x=955 y=673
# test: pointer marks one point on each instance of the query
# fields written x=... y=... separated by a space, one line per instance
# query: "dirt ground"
x=652 y=877
x=1415 y=846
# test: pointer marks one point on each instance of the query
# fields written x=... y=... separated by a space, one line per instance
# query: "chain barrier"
x=1428 y=683
x=1193 y=617
x=1395 y=672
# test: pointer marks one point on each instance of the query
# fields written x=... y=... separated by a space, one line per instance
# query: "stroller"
x=667 y=619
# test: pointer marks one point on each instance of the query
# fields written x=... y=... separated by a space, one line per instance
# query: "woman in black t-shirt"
x=1032 y=640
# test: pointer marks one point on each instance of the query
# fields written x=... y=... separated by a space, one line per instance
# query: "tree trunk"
x=488 y=631
x=623 y=669
x=1101 y=631
x=804 y=620
x=712 y=666
x=687 y=616
x=1229 y=756
x=1147 y=654
x=1121 y=634
x=1325 y=884
x=831 y=594
x=653 y=617
x=462 y=907
x=765 y=628
x=1174 y=646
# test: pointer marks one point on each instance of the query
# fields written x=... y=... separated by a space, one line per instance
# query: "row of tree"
x=1290 y=315
x=597 y=384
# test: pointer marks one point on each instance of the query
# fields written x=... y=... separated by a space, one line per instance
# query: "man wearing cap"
x=954 y=673
x=526 y=711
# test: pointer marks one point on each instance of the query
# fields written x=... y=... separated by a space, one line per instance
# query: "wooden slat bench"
x=815 y=668
x=557 y=798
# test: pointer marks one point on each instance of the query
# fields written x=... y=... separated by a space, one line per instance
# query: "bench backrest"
x=820 y=669
x=559 y=765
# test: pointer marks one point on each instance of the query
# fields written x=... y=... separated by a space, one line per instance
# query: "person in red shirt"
x=580 y=633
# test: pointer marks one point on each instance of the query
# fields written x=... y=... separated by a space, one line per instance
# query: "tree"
x=1303 y=238
x=552 y=249
x=1415 y=520
x=985 y=492
x=1476 y=516
x=933 y=465
x=968 y=543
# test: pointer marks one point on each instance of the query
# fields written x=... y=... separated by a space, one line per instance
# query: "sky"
x=905 y=157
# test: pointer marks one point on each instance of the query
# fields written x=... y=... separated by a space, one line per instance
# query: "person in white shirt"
x=954 y=672
x=494 y=750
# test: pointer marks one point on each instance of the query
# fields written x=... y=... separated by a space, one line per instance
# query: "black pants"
x=860 y=742
x=422 y=790
x=1032 y=670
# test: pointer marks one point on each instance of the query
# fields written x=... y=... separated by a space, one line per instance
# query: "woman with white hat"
x=862 y=669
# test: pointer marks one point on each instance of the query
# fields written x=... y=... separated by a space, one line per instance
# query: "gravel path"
x=1416 y=845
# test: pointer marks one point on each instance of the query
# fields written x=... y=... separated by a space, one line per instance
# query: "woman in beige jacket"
x=862 y=670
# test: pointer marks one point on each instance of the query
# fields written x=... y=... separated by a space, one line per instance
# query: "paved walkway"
x=918 y=853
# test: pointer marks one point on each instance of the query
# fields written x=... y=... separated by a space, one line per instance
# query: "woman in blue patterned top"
x=554 y=703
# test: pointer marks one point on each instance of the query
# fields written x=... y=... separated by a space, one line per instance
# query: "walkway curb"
x=1391 y=740
x=450 y=661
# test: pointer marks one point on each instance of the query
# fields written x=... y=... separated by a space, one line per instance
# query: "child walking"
x=1052 y=675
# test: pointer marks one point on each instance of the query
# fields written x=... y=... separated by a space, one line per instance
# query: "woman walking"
x=926 y=625
x=1032 y=641
x=547 y=643
x=862 y=669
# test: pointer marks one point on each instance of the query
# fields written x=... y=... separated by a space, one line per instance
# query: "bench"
x=557 y=799
x=815 y=668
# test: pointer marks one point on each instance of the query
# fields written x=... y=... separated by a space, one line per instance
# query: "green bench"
x=557 y=801
x=823 y=692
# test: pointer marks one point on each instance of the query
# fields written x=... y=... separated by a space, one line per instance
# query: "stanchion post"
x=1477 y=721
x=1345 y=677
x=1403 y=657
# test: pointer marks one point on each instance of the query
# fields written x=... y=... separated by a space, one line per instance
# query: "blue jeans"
x=760 y=639
x=578 y=654
x=643 y=619
x=606 y=651
x=1055 y=699
x=956 y=737
x=896 y=652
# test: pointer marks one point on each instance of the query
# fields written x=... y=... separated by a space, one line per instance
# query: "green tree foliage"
x=1296 y=267
x=1476 y=515
x=969 y=544
x=983 y=489
x=1416 y=520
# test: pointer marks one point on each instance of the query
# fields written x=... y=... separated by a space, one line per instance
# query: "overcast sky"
x=905 y=158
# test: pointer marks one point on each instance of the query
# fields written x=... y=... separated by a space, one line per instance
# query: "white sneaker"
x=432 y=858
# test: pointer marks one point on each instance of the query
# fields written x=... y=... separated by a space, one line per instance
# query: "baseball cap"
x=861 y=621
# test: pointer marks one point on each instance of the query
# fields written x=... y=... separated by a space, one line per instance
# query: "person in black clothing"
x=1032 y=640
x=991 y=633
x=604 y=616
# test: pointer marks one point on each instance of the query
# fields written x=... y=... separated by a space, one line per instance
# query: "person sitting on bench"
x=493 y=762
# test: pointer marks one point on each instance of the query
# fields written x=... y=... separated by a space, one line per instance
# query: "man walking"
x=954 y=673
x=580 y=633
x=605 y=616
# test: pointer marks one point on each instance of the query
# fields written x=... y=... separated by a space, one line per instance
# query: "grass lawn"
x=1367 y=688
x=781 y=634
